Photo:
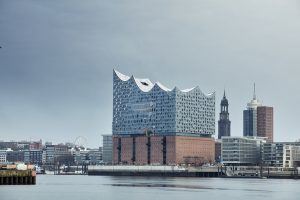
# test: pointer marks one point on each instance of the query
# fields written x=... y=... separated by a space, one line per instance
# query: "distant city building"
x=95 y=156
x=21 y=145
x=258 y=120
x=242 y=150
x=81 y=157
x=265 y=122
x=2 y=156
x=24 y=145
x=224 y=122
x=88 y=156
x=48 y=143
x=9 y=145
x=33 y=157
x=107 y=149
x=15 y=156
x=44 y=156
x=291 y=156
x=58 y=154
x=156 y=125
x=36 y=145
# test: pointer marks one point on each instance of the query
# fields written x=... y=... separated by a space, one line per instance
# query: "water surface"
x=51 y=187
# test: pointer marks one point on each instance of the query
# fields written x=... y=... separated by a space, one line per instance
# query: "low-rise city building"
x=242 y=150
x=273 y=153
x=2 y=156
x=58 y=154
x=88 y=156
x=95 y=156
x=36 y=145
x=33 y=157
x=291 y=156
x=15 y=156
x=163 y=150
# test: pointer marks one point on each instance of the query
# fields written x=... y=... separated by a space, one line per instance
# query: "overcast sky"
x=57 y=58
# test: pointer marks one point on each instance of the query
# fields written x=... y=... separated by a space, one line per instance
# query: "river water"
x=68 y=187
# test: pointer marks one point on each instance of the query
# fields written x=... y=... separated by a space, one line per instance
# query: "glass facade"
x=241 y=150
x=248 y=122
x=141 y=107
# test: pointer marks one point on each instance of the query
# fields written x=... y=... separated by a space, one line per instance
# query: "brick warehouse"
x=163 y=150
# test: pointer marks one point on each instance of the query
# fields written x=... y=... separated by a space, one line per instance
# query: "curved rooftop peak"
x=121 y=76
x=163 y=87
x=146 y=85
x=188 y=90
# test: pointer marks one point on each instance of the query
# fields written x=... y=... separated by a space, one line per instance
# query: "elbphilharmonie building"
x=140 y=106
x=153 y=124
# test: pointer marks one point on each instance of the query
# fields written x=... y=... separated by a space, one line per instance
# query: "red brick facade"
x=169 y=150
x=265 y=122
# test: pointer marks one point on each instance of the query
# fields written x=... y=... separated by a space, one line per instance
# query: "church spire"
x=224 y=122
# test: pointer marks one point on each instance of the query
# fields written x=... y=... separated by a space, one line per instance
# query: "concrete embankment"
x=162 y=171
x=209 y=171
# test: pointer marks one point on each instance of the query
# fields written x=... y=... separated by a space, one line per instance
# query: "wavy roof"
x=146 y=85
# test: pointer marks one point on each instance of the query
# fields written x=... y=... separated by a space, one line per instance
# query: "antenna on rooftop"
x=254 y=92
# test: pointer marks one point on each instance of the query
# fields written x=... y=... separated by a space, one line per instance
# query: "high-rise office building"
x=224 y=122
x=265 y=122
x=258 y=120
x=250 y=117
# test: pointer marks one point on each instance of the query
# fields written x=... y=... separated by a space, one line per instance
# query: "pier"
x=12 y=176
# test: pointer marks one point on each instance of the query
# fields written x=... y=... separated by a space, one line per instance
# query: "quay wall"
x=17 y=177
x=166 y=171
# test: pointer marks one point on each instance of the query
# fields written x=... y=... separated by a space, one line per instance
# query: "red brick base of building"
x=163 y=150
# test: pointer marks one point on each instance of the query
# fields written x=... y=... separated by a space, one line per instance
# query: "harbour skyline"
x=55 y=78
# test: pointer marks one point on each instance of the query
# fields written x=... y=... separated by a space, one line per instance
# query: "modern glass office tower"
x=141 y=107
x=250 y=117
x=258 y=120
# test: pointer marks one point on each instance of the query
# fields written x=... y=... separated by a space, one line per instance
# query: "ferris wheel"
x=80 y=141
